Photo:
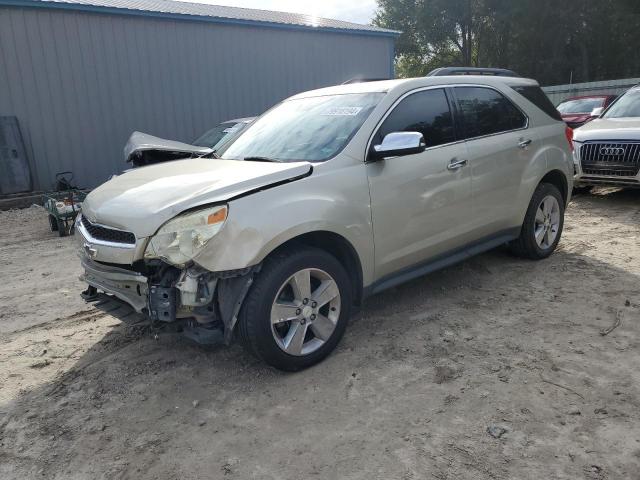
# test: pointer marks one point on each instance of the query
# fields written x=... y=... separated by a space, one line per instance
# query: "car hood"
x=609 y=129
x=141 y=200
x=142 y=142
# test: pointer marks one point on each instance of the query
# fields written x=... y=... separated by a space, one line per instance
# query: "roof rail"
x=362 y=80
x=495 y=72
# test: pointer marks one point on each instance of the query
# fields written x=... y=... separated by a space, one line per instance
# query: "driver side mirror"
x=397 y=144
x=596 y=112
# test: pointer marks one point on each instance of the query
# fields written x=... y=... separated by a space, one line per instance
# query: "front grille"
x=105 y=234
x=610 y=159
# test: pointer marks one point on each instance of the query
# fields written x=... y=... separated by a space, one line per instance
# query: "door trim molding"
x=441 y=261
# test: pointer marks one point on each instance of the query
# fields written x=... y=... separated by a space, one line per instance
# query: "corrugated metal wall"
x=558 y=93
x=81 y=82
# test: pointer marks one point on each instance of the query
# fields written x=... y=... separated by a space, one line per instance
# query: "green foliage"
x=552 y=41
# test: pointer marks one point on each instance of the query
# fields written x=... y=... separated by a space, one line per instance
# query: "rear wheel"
x=543 y=223
x=297 y=309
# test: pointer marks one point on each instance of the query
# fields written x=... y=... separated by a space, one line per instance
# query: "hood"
x=141 y=200
x=616 y=129
x=140 y=143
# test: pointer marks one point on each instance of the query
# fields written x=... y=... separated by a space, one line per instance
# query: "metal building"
x=82 y=75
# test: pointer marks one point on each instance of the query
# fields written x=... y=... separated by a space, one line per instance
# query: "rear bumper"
x=130 y=287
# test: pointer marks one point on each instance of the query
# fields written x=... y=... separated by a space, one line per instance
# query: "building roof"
x=206 y=12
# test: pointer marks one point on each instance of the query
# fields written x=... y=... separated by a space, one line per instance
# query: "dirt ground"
x=494 y=369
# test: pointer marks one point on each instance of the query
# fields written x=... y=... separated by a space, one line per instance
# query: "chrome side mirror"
x=596 y=112
x=397 y=144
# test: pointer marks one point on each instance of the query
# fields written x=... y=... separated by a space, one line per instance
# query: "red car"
x=576 y=111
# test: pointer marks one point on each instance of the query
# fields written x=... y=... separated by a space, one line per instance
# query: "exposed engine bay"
x=203 y=305
x=143 y=149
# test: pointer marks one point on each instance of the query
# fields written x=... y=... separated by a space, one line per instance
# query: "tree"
x=579 y=40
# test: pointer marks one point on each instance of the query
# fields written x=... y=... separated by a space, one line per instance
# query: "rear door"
x=420 y=204
x=500 y=147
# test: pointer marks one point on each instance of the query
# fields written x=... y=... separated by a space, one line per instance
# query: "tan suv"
x=331 y=196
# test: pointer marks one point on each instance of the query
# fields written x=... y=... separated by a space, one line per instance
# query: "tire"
x=62 y=228
x=275 y=289
x=53 y=223
x=526 y=245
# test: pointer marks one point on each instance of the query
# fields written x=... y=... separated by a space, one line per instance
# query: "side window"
x=426 y=112
x=536 y=96
x=486 y=111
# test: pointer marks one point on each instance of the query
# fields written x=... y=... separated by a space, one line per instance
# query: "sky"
x=358 y=11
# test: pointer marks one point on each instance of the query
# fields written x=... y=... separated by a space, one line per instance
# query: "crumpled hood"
x=614 y=129
x=143 y=142
x=141 y=200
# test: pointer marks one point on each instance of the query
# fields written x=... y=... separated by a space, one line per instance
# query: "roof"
x=206 y=12
x=385 y=86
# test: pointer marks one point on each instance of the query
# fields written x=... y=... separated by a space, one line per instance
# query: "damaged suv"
x=331 y=196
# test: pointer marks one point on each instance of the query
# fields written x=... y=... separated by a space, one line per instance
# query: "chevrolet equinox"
x=331 y=196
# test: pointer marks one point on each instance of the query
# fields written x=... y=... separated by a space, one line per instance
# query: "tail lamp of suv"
x=569 y=133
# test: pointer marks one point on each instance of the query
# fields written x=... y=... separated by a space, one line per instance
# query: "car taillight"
x=569 y=133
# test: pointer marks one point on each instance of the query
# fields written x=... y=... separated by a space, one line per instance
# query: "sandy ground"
x=423 y=372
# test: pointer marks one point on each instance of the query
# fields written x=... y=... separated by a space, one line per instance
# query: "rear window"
x=536 y=96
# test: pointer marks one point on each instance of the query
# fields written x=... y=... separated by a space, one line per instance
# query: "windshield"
x=627 y=106
x=312 y=129
x=582 y=105
x=218 y=136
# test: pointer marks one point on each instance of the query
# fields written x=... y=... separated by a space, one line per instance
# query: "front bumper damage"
x=203 y=305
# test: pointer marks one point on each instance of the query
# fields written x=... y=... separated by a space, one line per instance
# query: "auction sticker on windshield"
x=343 y=111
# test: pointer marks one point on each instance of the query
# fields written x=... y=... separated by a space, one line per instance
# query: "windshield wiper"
x=261 y=159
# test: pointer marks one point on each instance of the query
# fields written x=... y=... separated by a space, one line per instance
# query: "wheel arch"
x=558 y=179
x=336 y=245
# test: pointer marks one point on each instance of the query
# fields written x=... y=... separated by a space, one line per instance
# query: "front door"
x=421 y=204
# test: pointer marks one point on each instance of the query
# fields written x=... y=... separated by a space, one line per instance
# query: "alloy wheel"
x=305 y=312
x=547 y=222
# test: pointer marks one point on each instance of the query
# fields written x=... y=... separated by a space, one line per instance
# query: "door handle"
x=523 y=144
x=456 y=164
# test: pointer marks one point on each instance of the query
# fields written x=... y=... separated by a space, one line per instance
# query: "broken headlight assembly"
x=182 y=238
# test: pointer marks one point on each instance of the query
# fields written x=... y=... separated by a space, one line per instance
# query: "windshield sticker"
x=342 y=112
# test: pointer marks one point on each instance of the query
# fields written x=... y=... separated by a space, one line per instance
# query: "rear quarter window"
x=485 y=111
x=536 y=96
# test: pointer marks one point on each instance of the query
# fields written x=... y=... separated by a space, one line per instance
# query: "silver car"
x=331 y=196
x=608 y=148
x=143 y=149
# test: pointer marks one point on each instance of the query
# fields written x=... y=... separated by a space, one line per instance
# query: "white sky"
x=358 y=11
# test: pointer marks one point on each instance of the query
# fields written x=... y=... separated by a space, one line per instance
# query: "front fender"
x=332 y=200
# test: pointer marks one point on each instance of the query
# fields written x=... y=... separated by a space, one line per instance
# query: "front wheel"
x=543 y=223
x=297 y=309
